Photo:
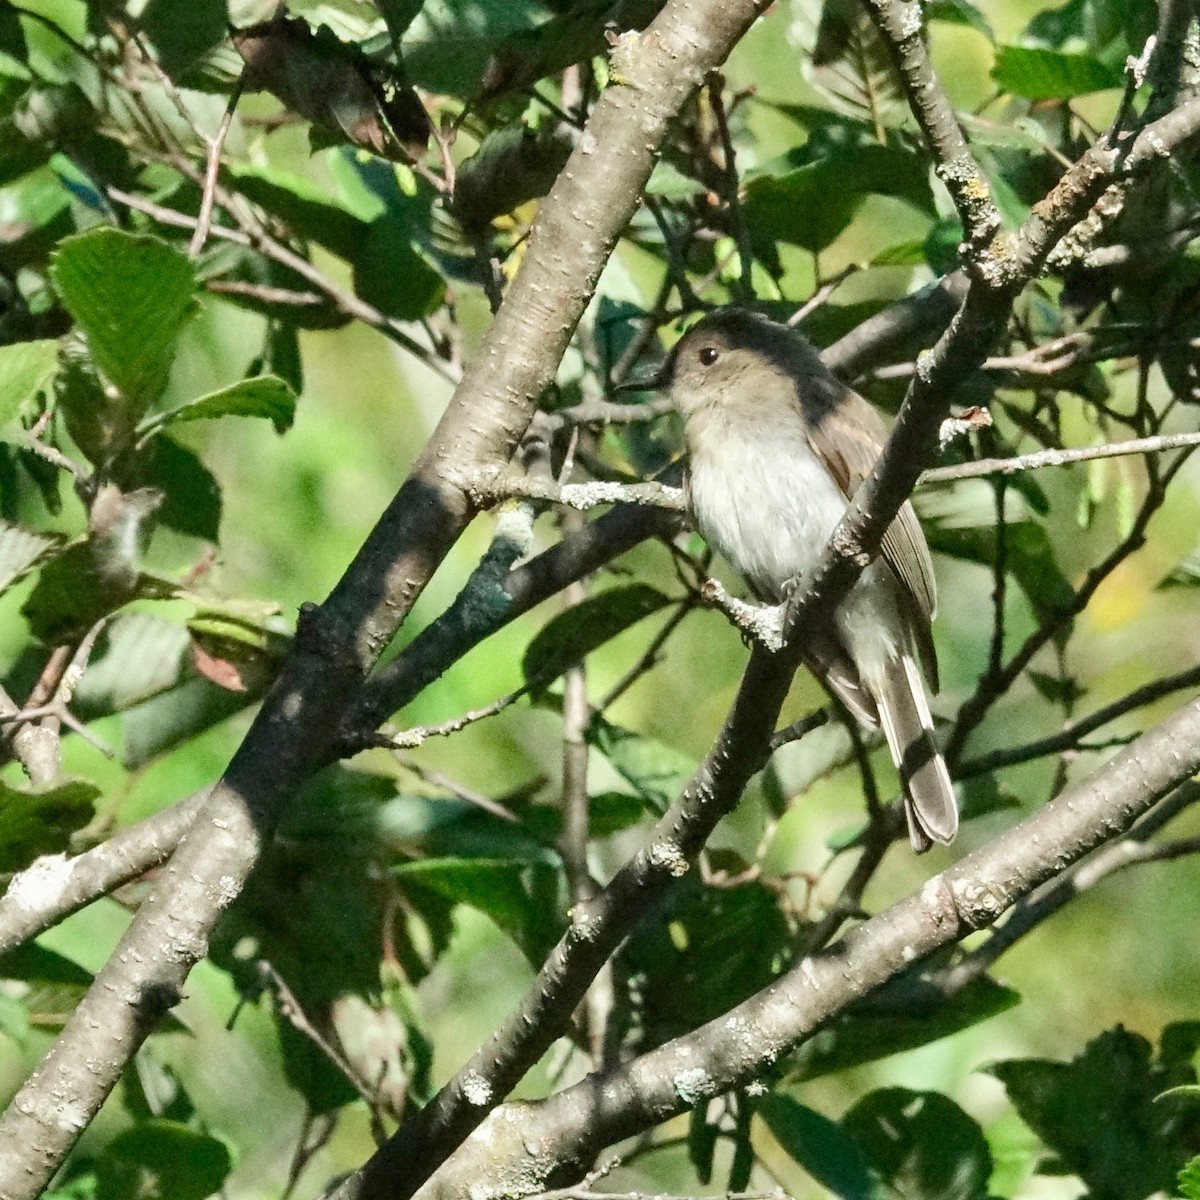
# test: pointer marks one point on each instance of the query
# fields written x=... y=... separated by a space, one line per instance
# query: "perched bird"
x=777 y=446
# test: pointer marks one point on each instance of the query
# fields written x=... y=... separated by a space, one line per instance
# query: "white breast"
x=763 y=499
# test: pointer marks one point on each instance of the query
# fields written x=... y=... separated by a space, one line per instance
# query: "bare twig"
x=1060 y=458
x=1073 y=732
x=212 y=166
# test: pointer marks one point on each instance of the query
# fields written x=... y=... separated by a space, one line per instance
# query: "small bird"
x=777 y=446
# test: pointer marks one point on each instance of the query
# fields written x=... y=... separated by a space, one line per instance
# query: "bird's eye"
x=709 y=355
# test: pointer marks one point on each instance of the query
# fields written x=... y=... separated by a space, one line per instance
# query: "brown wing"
x=847 y=434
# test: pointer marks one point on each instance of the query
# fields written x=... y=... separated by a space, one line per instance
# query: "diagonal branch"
x=578 y=224
x=571 y=1127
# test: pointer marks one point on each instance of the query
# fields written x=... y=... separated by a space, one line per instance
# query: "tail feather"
x=929 y=803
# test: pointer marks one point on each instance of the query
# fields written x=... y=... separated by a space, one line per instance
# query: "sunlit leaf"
x=131 y=294
x=1038 y=74
x=265 y=396
x=26 y=370
x=656 y=771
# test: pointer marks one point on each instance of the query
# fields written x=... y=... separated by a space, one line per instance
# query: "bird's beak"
x=648 y=379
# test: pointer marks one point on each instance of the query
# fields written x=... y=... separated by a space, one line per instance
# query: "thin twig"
x=730 y=186
x=212 y=166
x=1071 y=734
x=1060 y=458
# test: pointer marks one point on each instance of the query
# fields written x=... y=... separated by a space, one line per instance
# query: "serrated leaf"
x=921 y=1144
x=41 y=822
x=131 y=294
x=26 y=370
x=161 y=1160
x=21 y=550
x=656 y=771
x=1109 y=1086
x=142 y=656
x=821 y=1146
x=572 y=635
x=1188 y=1180
x=1038 y=74
x=265 y=396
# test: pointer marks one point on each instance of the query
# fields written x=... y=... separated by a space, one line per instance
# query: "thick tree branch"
x=571 y=1127
x=577 y=226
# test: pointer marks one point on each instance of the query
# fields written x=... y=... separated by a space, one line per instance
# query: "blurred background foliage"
x=236 y=417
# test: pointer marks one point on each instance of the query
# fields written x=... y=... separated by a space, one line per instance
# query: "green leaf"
x=265 y=396
x=140 y=656
x=161 y=1160
x=512 y=165
x=569 y=37
x=1111 y=1087
x=719 y=946
x=816 y=199
x=14 y=51
x=34 y=963
x=41 y=822
x=958 y=12
x=1029 y=557
x=26 y=370
x=910 y=1013
x=498 y=888
x=304 y=207
x=572 y=635
x=74 y=591
x=669 y=182
x=14 y=1018
x=184 y=34
x=1038 y=74
x=1189 y=1180
x=393 y=276
x=399 y=15
x=921 y=1144
x=821 y=1146
x=169 y=718
x=131 y=294
x=191 y=496
x=656 y=771
x=21 y=550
